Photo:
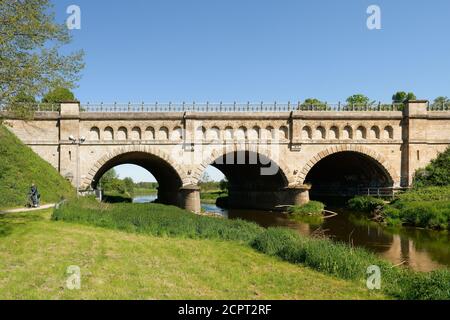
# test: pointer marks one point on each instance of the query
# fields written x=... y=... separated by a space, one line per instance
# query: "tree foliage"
x=30 y=57
x=402 y=97
x=358 y=100
x=314 y=103
x=440 y=102
x=59 y=95
x=437 y=173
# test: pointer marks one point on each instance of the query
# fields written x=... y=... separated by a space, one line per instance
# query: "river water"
x=422 y=250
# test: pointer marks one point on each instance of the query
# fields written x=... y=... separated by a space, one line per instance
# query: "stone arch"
x=149 y=133
x=213 y=134
x=94 y=134
x=283 y=133
x=200 y=133
x=228 y=133
x=122 y=133
x=374 y=132
x=108 y=134
x=334 y=133
x=241 y=133
x=306 y=133
x=347 y=133
x=217 y=153
x=361 y=133
x=270 y=133
x=388 y=132
x=136 y=133
x=163 y=133
x=254 y=133
x=384 y=164
x=177 y=134
x=320 y=133
x=149 y=150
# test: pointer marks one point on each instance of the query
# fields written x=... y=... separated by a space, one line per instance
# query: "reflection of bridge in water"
x=269 y=153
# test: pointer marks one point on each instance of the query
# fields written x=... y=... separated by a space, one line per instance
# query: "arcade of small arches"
x=163 y=133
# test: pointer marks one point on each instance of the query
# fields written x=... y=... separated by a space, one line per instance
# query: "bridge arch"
x=382 y=163
x=288 y=177
x=167 y=172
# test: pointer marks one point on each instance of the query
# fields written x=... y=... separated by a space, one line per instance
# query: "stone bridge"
x=271 y=156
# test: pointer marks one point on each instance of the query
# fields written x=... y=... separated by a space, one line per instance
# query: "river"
x=419 y=249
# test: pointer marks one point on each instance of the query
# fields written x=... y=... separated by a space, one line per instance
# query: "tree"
x=30 y=57
x=59 y=95
x=440 y=102
x=22 y=97
x=129 y=184
x=402 y=97
x=358 y=100
x=107 y=179
x=223 y=184
x=313 y=103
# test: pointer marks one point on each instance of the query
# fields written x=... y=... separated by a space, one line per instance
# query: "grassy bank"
x=212 y=196
x=338 y=260
x=427 y=207
x=19 y=167
x=311 y=212
x=35 y=253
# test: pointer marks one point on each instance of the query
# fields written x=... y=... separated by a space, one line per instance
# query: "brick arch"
x=156 y=152
x=282 y=165
x=384 y=164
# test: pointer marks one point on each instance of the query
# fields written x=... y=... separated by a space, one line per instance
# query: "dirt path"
x=45 y=206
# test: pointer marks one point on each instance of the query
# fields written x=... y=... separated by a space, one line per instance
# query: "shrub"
x=437 y=173
x=365 y=203
x=312 y=208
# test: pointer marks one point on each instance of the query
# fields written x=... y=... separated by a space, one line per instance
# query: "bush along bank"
x=427 y=207
x=339 y=260
x=311 y=212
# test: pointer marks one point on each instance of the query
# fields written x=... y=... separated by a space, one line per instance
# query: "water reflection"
x=422 y=250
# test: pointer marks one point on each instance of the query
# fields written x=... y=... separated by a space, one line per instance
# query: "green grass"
x=311 y=212
x=212 y=196
x=427 y=207
x=335 y=259
x=35 y=253
x=19 y=167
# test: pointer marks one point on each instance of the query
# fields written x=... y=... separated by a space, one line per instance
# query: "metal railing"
x=36 y=107
x=235 y=107
x=439 y=106
x=380 y=192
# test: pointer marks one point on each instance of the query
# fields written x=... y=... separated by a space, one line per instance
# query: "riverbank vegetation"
x=121 y=265
x=20 y=167
x=335 y=259
x=311 y=212
x=426 y=205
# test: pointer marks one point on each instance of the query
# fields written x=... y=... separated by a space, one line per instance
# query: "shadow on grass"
x=116 y=199
x=11 y=221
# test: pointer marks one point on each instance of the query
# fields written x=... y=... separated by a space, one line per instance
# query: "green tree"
x=59 y=95
x=437 y=173
x=358 y=100
x=440 y=102
x=402 y=97
x=313 y=103
x=129 y=185
x=30 y=50
x=107 y=179
x=22 y=97
x=223 y=184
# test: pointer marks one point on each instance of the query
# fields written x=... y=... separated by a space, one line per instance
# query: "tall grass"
x=155 y=219
x=336 y=259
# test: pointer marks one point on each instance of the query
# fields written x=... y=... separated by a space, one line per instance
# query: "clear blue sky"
x=255 y=50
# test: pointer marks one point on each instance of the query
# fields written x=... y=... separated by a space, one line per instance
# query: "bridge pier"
x=189 y=198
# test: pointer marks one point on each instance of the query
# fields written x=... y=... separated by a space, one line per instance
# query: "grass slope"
x=19 y=167
x=35 y=253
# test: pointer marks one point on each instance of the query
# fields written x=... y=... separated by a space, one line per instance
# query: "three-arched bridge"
x=271 y=156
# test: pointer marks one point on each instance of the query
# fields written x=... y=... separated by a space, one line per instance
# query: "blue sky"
x=256 y=50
